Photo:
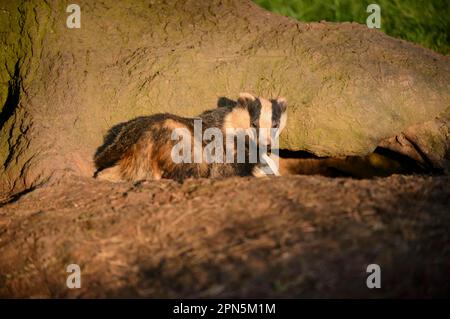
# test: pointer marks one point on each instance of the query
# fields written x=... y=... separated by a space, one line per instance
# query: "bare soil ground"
x=297 y=236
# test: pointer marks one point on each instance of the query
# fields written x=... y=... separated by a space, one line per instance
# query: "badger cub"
x=144 y=147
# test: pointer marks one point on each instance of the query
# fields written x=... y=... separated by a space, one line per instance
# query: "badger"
x=144 y=147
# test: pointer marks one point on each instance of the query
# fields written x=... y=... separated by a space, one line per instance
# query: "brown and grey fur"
x=141 y=148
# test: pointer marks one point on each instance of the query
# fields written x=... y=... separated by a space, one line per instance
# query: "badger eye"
x=276 y=125
x=254 y=124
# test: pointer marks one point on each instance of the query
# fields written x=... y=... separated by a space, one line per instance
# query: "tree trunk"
x=348 y=87
x=349 y=90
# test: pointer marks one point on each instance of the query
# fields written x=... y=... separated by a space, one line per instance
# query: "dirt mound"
x=348 y=89
x=307 y=236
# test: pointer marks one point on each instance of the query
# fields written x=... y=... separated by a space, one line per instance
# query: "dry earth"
x=298 y=236
x=349 y=90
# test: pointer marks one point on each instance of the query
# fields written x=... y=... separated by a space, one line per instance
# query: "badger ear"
x=245 y=98
x=282 y=103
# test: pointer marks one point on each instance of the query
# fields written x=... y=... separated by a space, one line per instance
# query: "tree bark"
x=348 y=87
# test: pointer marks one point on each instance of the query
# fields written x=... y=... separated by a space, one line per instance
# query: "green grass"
x=426 y=22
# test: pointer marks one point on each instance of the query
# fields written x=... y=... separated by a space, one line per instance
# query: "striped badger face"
x=268 y=117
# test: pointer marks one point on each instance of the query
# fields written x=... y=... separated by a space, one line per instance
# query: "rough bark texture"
x=349 y=89
x=61 y=89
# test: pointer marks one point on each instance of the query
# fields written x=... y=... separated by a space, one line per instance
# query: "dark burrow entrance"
x=381 y=163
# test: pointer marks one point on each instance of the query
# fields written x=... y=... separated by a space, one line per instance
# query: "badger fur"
x=141 y=148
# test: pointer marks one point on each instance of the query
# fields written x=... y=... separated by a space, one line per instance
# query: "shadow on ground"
x=299 y=236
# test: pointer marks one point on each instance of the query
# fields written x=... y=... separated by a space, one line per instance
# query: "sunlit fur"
x=141 y=148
